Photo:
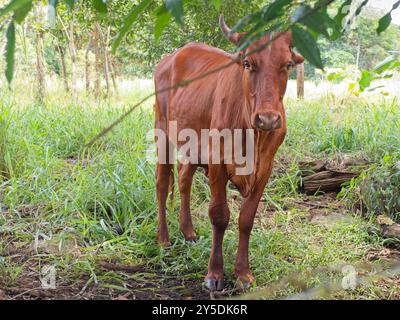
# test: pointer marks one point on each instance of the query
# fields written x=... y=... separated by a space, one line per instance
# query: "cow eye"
x=246 y=64
x=290 y=65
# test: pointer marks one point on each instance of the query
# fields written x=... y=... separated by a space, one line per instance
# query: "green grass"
x=99 y=204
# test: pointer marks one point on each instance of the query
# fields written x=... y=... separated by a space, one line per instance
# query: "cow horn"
x=233 y=37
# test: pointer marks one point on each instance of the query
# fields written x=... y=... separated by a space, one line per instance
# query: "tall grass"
x=354 y=126
x=103 y=197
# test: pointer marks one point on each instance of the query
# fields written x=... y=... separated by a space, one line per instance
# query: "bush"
x=379 y=188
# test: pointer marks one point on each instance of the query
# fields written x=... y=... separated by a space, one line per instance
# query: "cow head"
x=265 y=75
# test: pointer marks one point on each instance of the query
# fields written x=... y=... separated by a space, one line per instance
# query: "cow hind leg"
x=164 y=172
x=186 y=173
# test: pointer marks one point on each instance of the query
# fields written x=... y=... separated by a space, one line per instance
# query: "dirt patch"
x=128 y=282
x=155 y=287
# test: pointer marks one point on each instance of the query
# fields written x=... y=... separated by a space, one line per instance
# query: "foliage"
x=379 y=188
x=102 y=199
x=383 y=70
x=306 y=20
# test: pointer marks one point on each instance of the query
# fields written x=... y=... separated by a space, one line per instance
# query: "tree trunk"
x=113 y=76
x=300 y=81
x=40 y=74
x=96 y=43
x=104 y=46
x=87 y=67
x=61 y=52
x=358 y=55
x=72 y=52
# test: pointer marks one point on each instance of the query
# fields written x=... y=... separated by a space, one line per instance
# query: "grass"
x=71 y=207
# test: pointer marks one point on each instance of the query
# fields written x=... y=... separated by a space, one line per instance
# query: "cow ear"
x=297 y=59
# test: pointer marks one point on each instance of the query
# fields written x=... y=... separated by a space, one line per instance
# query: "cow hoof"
x=190 y=236
x=164 y=243
x=242 y=286
x=191 y=239
x=214 y=285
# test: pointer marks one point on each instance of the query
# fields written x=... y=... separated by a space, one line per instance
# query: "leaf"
x=261 y=21
x=307 y=46
x=163 y=18
x=384 y=23
x=386 y=20
x=342 y=12
x=366 y=80
x=175 y=7
x=386 y=64
x=100 y=6
x=350 y=20
x=13 y=6
x=21 y=13
x=314 y=20
x=10 y=52
x=129 y=20
x=275 y=9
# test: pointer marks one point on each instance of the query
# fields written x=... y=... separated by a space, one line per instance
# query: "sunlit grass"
x=102 y=199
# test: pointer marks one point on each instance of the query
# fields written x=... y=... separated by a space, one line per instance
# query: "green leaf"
x=261 y=21
x=21 y=13
x=13 y=6
x=365 y=81
x=262 y=17
x=361 y=6
x=274 y=10
x=100 y=6
x=387 y=64
x=314 y=20
x=307 y=46
x=10 y=52
x=384 y=23
x=386 y=20
x=175 y=7
x=351 y=19
x=163 y=18
x=129 y=20
x=343 y=11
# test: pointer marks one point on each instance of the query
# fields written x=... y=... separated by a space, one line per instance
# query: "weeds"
x=98 y=203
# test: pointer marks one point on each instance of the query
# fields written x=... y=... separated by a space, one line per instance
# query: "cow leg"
x=219 y=216
x=186 y=173
x=246 y=221
x=164 y=171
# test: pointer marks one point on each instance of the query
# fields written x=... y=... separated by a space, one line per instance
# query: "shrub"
x=379 y=188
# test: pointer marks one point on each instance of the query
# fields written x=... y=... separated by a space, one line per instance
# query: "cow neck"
x=243 y=120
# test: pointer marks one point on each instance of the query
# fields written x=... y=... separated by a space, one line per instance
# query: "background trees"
x=89 y=43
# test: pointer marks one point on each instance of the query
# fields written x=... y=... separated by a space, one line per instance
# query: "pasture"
x=90 y=214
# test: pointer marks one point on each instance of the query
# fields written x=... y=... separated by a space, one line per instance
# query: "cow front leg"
x=246 y=220
x=219 y=216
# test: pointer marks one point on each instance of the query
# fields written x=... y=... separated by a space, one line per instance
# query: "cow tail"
x=171 y=188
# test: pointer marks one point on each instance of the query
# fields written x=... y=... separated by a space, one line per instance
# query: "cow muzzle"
x=267 y=120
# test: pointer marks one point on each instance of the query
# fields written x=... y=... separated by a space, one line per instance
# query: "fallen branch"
x=121 y=267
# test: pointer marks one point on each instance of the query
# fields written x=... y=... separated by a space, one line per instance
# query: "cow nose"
x=267 y=121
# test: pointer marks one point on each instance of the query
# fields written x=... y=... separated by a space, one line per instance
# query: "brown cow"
x=246 y=95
